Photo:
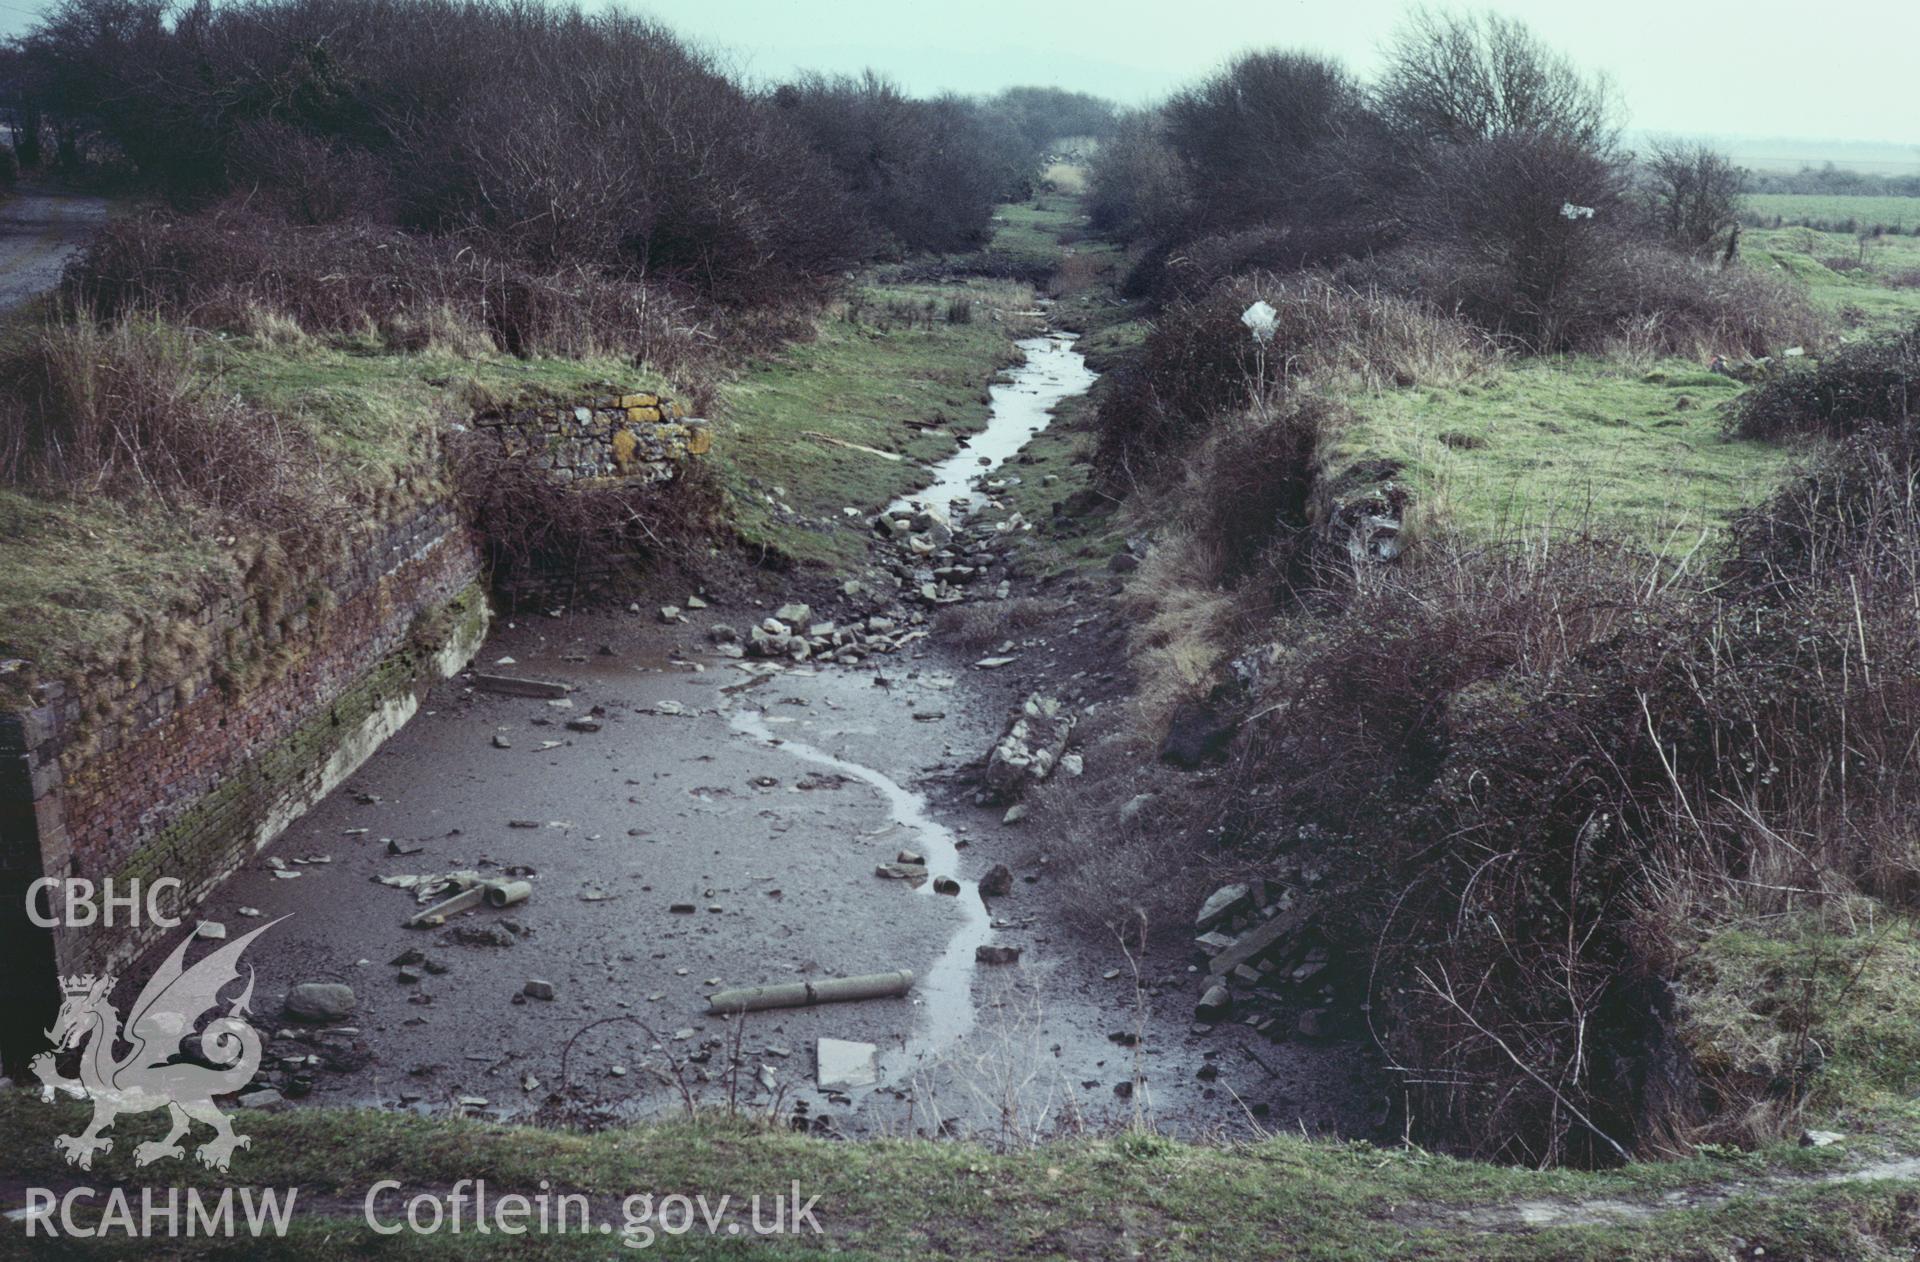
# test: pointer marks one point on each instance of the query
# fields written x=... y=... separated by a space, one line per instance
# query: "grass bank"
x=1576 y=443
x=84 y=570
x=1122 y=1196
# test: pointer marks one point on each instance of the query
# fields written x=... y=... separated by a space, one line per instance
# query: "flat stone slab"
x=841 y=1063
x=519 y=686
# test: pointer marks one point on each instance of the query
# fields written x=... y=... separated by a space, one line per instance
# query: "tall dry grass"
x=117 y=407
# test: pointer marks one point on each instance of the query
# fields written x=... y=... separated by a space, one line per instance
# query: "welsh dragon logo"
x=155 y=1074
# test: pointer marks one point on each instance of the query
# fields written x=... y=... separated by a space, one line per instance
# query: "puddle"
x=945 y=994
x=1021 y=408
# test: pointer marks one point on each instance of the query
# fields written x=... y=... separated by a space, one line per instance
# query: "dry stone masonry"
x=609 y=438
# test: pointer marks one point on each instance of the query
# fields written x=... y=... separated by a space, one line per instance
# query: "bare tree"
x=1692 y=193
x=1480 y=76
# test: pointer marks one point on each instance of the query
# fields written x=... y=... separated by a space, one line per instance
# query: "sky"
x=1756 y=68
x=1753 y=68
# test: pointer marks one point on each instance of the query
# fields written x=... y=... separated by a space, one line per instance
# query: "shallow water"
x=946 y=992
x=1022 y=406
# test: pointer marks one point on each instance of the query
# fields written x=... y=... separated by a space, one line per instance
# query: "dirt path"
x=40 y=228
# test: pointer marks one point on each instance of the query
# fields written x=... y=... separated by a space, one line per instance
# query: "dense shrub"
x=1136 y=188
x=1870 y=384
x=551 y=136
x=1530 y=768
x=926 y=174
x=1480 y=173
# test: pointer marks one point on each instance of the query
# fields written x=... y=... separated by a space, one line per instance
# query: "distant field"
x=1825 y=210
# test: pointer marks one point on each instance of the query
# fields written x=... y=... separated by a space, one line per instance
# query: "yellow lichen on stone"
x=639 y=400
x=623 y=444
x=679 y=409
x=639 y=415
x=699 y=440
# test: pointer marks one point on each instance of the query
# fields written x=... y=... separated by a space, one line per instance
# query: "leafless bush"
x=229 y=268
x=1137 y=188
x=1459 y=78
x=1691 y=193
x=539 y=532
x=545 y=135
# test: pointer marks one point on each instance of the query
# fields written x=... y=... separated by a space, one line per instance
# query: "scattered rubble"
x=1030 y=748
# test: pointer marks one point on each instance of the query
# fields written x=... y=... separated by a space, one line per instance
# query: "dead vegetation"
x=118 y=408
x=1554 y=776
x=1200 y=361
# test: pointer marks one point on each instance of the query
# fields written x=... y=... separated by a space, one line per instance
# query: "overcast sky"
x=1761 y=68
x=1756 y=68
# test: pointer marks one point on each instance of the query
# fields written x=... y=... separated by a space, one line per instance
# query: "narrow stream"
x=1022 y=406
x=946 y=992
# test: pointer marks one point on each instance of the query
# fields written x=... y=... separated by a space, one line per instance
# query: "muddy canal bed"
x=720 y=823
x=766 y=810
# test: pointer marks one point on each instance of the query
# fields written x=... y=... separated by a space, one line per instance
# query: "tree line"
x=1480 y=168
x=536 y=131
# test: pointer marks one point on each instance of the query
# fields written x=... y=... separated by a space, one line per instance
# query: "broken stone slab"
x=794 y=614
x=1257 y=941
x=986 y=953
x=1215 y=1004
x=1224 y=902
x=1030 y=748
x=515 y=685
x=998 y=882
x=902 y=871
x=1214 y=943
x=536 y=988
x=842 y=1064
x=583 y=725
x=264 y=1098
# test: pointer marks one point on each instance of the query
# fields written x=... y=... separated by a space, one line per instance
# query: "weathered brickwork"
x=639 y=436
x=187 y=777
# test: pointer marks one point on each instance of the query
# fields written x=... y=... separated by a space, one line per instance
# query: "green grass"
x=1767 y=996
x=1570 y=443
x=1856 y=281
x=78 y=577
x=1122 y=1196
x=1822 y=208
x=888 y=372
x=371 y=413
